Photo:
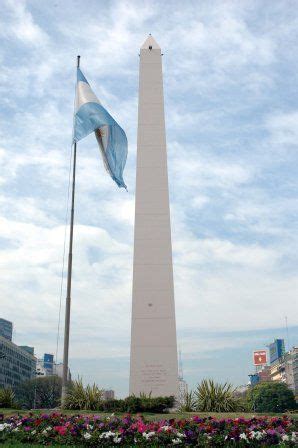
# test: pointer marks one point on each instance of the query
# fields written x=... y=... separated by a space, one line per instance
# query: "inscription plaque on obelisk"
x=153 y=360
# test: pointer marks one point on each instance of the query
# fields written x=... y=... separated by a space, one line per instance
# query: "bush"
x=39 y=393
x=271 y=397
x=80 y=397
x=215 y=397
x=7 y=398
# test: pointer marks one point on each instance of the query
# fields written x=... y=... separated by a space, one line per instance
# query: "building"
x=263 y=375
x=285 y=370
x=153 y=356
x=183 y=389
x=58 y=370
x=47 y=367
x=6 y=329
x=16 y=364
x=292 y=371
x=109 y=394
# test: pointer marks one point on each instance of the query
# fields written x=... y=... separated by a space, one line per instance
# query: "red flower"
x=61 y=430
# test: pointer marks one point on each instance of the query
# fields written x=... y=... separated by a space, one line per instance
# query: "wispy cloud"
x=231 y=114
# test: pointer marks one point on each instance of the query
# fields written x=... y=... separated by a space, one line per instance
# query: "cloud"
x=231 y=130
x=283 y=128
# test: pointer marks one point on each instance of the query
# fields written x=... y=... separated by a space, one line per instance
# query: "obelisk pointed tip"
x=150 y=44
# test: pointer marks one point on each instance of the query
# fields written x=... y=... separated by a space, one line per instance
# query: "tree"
x=271 y=397
x=39 y=393
x=215 y=397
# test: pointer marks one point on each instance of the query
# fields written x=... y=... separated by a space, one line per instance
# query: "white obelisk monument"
x=153 y=361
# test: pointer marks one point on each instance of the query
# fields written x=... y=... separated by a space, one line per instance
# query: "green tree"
x=271 y=397
x=39 y=393
x=215 y=397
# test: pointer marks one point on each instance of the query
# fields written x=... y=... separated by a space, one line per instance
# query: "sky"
x=231 y=102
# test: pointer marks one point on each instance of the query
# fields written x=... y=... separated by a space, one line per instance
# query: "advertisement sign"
x=276 y=350
x=260 y=357
x=48 y=361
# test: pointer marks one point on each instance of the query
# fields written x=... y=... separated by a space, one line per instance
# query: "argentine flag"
x=91 y=116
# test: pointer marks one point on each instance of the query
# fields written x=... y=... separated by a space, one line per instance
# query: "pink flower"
x=62 y=430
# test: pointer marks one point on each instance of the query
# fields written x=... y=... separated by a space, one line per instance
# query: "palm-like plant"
x=214 y=397
x=7 y=398
x=188 y=402
x=83 y=398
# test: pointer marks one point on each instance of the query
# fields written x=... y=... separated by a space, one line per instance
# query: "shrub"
x=135 y=404
x=80 y=397
x=215 y=397
x=157 y=404
x=271 y=397
x=7 y=398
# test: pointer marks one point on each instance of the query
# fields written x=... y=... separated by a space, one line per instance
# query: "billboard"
x=48 y=361
x=260 y=357
x=276 y=350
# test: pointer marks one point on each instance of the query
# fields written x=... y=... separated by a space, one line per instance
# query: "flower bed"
x=78 y=430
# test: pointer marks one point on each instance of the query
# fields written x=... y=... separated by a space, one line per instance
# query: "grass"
x=149 y=416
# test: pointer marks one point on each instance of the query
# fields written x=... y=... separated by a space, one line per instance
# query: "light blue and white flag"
x=91 y=116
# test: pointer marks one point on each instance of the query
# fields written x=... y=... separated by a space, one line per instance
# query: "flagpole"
x=69 y=278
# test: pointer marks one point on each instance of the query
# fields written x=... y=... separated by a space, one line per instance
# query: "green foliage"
x=215 y=397
x=7 y=398
x=82 y=398
x=135 y=404
x=156 y=404
x=188 y=403
x=39 y=393
x=271 y=397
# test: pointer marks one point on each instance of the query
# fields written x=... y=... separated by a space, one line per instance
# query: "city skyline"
x=231 y=119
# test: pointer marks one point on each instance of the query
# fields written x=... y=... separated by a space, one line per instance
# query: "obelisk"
x=153 y=360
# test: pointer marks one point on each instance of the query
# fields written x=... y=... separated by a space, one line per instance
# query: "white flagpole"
x=69 y=278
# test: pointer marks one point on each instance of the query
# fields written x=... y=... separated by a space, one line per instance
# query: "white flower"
x=147 y=435
x=294 y=436
x=45 y=432
x=285 y=438
x=49 y=428
x=180 y=434
x=256 y=435
x=15 y=430
x=176 y=441
x=87 y=436
x=243 y=436
x=33 y=432
x=165 y=428
x=5 y=426
x=106 y=435
x=117 y=439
